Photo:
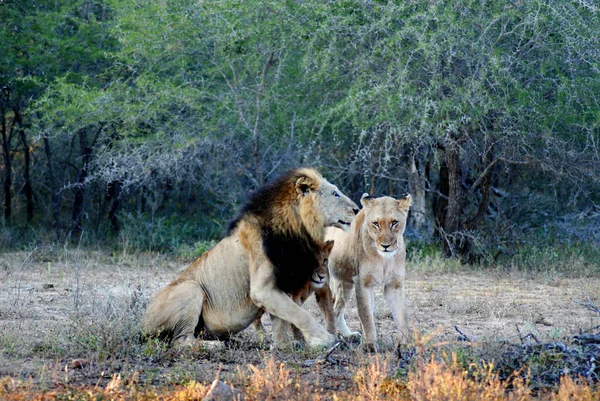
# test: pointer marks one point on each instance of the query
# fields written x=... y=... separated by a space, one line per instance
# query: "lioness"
x=319 y=285
x=270 y=251
x=371 y=253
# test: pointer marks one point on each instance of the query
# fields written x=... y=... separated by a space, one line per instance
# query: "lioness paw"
x=352 y=335
x=369 y=348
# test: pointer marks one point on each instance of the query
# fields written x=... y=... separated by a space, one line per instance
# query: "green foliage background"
x=145 y=124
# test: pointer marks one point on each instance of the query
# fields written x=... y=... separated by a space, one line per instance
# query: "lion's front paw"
x=322 y=340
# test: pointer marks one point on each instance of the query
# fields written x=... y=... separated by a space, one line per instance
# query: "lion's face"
x=320 y=276
x=338 y=210
x=385 y=221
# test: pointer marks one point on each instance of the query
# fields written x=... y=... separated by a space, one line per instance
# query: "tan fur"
x=224 y=291
x=318 y=285
x=371 y=253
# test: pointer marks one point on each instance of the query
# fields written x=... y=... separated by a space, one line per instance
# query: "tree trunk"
x=7 y=168
x=55 y=199
x=85 y=152
x=441 y=200
x=113 y=193
x=416 y=185
x=449 y=200
x=452 y=223
x=485 y=188
x=27 y=161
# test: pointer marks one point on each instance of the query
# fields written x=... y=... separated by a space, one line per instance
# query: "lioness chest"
x=380 y=271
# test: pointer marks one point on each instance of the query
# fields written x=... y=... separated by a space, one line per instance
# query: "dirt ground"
x=58 y=307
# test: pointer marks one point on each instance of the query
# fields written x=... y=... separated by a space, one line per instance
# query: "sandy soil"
x=57 y=305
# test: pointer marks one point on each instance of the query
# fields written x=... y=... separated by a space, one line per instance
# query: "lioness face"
x=338 y=210
x=320 y=276
x=385 y=221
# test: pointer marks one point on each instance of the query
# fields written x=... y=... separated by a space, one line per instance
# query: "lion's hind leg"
x=175 y=312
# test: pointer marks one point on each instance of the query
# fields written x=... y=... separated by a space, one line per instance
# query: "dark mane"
x=259 y=202
x=294 y=259
x=294 y=256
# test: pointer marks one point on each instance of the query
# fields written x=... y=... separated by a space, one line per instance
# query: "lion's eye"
x=394 y=223
x=326 y=261
x=375 y=224
x=335 y=194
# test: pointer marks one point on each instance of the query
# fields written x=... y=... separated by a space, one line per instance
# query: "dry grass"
x=431 y=381
x=58 y=306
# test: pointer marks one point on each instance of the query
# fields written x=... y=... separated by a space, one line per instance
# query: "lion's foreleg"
x=265 y=294
x=364 y=297
x=395 y=297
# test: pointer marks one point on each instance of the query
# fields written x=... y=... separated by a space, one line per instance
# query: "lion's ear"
x=406 y=203
x=366 y=199
x=328 y=246
x=304 y=185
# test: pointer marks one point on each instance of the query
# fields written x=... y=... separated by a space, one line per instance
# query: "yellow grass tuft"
x=431 y=380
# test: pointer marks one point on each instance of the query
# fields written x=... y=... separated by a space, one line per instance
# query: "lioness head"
x=320 y=276
x=319 y=195
x=385 y=221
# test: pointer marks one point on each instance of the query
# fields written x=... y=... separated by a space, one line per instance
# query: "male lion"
x=371 y=253
x=270 y=251
x=319 y=285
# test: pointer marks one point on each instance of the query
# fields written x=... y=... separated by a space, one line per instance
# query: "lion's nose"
x=385 y=247
x=356 y=210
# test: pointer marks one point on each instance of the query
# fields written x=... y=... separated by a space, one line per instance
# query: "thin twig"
x=589 y=305
x=463 y=336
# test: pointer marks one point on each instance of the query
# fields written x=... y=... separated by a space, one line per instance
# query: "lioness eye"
x=334 y=193
x=325 y=261
x=375 y=224
x=394 y=223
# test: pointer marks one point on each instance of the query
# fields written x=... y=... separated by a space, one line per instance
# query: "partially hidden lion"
x=318 y=285
x=270 y=250
x=371 y=254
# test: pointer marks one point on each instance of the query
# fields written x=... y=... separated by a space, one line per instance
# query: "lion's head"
x=322 y=202
x=385 y=221
x=320 y=276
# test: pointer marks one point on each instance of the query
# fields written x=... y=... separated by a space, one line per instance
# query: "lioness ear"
x=304 y=185
x=366 y=199
x=405 y=204
x=328 y=246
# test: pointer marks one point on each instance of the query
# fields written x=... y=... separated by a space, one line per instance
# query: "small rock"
x=48 y=286
x=79 y=363
x=219 y=391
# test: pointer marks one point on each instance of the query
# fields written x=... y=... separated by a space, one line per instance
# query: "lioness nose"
x=355 y=210
x=385 y=247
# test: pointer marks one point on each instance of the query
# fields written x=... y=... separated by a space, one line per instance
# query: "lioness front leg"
x=395 y=297
x=342 y=294
x=265 y=294
x=364 y=304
